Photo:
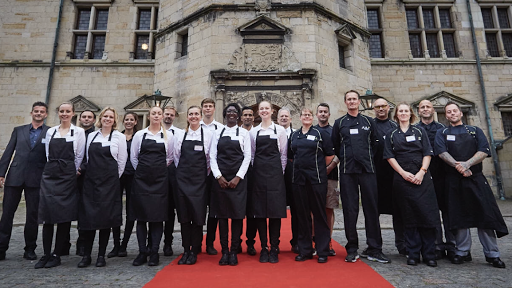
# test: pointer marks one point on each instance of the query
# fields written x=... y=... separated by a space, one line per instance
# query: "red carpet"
x=251 y=273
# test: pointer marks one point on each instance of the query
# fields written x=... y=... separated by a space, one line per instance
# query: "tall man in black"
x=354 y=137
x=470 y=201
x=385 y=173
x=436 y=168
x=25 y=173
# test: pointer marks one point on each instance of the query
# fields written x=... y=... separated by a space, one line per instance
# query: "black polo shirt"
x=477 y=133
x=334 y=172
x=431 y=130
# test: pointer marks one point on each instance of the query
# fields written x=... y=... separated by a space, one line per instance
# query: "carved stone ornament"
x=263 y=58
x=80 y=103
x=292 y=100
x=441 y=98
x=262 y=6
x=139 y=104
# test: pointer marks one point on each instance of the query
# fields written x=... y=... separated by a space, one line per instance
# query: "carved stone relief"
x=263 y=58
x=292 y=100
x=262 y=6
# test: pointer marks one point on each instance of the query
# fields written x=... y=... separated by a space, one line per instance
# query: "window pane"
x=492 y=45
x=432 y=46
x=449 y=45
x=341 y=52
x=142 y=53
x=83 y=19
x=416 y=50
x=80 y=44
x=412 y=18
x=101 y=20
x=156 y=19
x=375 y=46
x=373 y=19
x=98 y=46
x=144 y=19
x=428 y=18
x=503 y=18
x=507 y=122
x=444 y=17
x=507 y=42
x=487 y=16
x=184 y=45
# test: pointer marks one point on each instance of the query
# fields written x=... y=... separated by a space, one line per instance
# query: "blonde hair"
x=66 y=103
x=102 y=113
x=161 y=124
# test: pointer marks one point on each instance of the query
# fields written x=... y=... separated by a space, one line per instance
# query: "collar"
x=32 y=127
x=381 y=121
x=146 y=130
x=208 y=125
x=272 y=126
x=196 y=132
x=172 y=128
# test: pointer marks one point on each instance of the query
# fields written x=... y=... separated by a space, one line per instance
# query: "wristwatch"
x=424 y=169
x=218 y=177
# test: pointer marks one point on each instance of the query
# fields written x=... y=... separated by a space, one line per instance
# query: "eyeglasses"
x=306 y=115
x=380 y=107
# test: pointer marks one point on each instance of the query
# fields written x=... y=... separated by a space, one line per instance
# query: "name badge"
x=159 y=140
x=273 y=136
x=43 y=141
x=198 y=148
x=354 y=131
x=105 y=144
x=410 y=138
x=384 y=137
x=450 y=137
x=235 y=138
x=311 y=137
x=70 y=139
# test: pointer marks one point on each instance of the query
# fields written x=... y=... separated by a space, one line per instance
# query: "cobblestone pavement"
x=18 y=272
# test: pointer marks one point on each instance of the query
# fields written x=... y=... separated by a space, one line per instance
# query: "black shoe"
x=431 y=263
x=440 y=254
x=183 y=259
x=233 y=259
x=364 y=254
x=264 y=255
x=29 y=255
x=457 y=259
x=251 y=251
x=302 y=257
x=53 y=262
x=239 y=249
x=402 y=252
x=295 y=249
x=467 y=258
x=122 y=252
x=211 y=251
x=192 y=258
x=224 y=260
x=168 y=250
x=273 y=258
x=352 y=257
x=450 y=255
x=114 y=252
x=100 y=262
x=322 y=259
x=42 y=262
x=379 y=257
x=141 y=259
x=412 y=262
x=80 y=251
x=65 y=251
x=86 y=261
x=496 y=262
x=154 y=259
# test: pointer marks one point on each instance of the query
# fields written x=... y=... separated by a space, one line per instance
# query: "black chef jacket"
x=334 y=172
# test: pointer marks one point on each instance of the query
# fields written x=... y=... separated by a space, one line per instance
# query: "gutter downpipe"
x=54 y=55
x=494 y=154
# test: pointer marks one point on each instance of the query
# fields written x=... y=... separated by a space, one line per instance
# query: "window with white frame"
x=90 y=32
x=146 y=27
x=498 y=31
x=375 y=27
x=431 y=30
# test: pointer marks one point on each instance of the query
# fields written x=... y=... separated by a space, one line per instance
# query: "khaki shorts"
x=333 y=195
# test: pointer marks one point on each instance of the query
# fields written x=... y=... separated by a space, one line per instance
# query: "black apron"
x=191 y=179
x=229 y=203
x=171 y=175
x=268 y=197
x=149 y=202
x=58 y=198
x=100 y=206
x=418 y=203
x=470 y=200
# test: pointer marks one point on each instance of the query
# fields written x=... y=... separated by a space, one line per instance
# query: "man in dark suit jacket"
x=25 y=173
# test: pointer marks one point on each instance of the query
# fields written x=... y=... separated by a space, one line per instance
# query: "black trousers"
x=421 y=240
x=191 y=237
x=126 y=184
x=236 y=228
x=12 y=197
x=350 y=184
x=250 y=231
x=211 y=222
x=89 y=235
x=169 y=224
x=449 y=245
x=156 y=230
x=290 y=195
x=399 y=229
x=274 y=231
x=312 y=199
x=61 y=238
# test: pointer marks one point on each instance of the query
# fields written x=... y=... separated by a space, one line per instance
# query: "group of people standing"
x=211 y=172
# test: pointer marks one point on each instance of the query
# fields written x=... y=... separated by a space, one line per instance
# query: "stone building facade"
x=294 y=53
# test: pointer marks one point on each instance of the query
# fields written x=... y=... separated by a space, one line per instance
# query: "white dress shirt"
x=196 y=136
x=212 y=126
x=289 y=131
x=282 y=140
x=245 y=144
x=78 y=139
x=117 y=147
x=137 y=141
x=174 y=128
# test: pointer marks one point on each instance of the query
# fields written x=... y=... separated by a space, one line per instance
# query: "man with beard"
x=426 y=113
x=470 y=201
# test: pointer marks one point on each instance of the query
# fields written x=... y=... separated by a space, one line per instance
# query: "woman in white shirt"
x=192 y=158
x=230 y=156
x=58 y=200
x=151 y=153
x=100 y=206
x=268 y=197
